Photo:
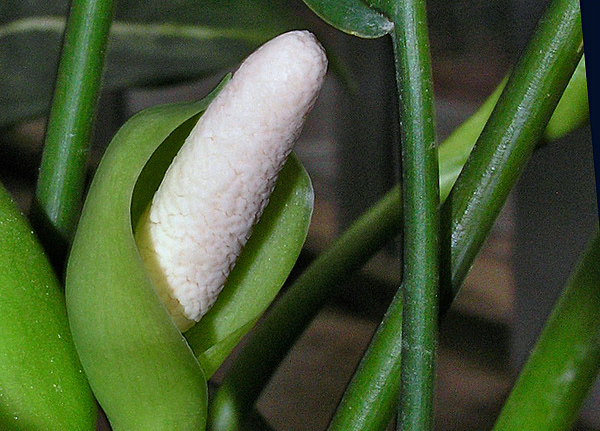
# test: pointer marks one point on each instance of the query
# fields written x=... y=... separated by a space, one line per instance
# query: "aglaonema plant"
x=143 y=371
x=127 y=314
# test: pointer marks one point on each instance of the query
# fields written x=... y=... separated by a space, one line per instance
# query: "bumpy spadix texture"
x=218 y=185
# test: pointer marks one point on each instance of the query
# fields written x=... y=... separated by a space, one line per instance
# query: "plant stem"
x=506 y=143
x=420 y=181
x=269 y=343
x=300 y=303
x=63 y=168
x=365 y=406
x=566 y=359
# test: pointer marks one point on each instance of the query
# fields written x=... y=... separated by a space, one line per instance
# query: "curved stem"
x=63 y=168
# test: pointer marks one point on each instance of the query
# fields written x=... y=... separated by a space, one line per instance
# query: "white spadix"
x=220 y=181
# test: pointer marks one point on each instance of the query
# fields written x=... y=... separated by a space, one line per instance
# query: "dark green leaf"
x=352 y=16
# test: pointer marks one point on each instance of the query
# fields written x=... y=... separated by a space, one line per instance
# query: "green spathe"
x=141 y=368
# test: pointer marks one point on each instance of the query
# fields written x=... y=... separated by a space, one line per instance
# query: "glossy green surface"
x=571 y=112
x=352 y=16
x=42 y=386
x=141 y=368
x=514 y=129
x=415 y=305
x=63 y=169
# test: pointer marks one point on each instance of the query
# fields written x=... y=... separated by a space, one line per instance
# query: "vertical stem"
x=421 y=217
x=62 y=172
x=531 y=97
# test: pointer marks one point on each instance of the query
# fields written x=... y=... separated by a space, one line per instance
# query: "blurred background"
x=348 y=147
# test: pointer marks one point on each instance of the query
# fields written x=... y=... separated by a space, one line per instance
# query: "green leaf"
x=152 y=42
x=41 y=383
x=141 y=368
x=352 y=16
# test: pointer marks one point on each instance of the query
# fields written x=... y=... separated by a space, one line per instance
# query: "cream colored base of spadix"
x=220 y=182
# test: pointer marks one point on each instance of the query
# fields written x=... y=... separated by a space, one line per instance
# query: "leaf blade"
x=352 y=16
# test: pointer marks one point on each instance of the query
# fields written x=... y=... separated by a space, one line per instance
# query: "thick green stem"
x=63 y=168
x=420 y=181
x=506 y=143
x=518 y=116
x=294 y=310
x=566 y=359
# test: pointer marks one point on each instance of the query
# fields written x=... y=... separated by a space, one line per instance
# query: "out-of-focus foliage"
x=152 y=42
